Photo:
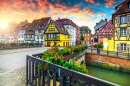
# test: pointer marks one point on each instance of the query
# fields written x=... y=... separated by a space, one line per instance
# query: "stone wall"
x=107 y=59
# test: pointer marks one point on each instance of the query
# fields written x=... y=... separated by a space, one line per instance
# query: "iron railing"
x=35 y=77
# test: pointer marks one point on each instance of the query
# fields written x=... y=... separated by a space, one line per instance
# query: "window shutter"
x=127 y=32
x=128 y=18
x=118 y=46
x=118 y=20
x=118 y=32
x=128 y=47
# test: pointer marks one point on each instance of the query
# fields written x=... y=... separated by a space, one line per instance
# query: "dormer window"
x=65 y=21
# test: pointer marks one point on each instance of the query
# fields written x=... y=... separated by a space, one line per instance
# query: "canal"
x=120 y=78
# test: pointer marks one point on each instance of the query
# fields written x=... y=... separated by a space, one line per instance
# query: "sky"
x=82 y=12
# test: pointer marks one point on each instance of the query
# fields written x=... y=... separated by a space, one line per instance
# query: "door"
x=48 y=43
x=63 y=43
x=55 y=44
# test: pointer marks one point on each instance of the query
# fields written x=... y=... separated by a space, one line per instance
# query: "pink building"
x=104 y=31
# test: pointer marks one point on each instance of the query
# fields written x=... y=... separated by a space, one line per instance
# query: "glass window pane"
x=121 y=46
x=124 y=47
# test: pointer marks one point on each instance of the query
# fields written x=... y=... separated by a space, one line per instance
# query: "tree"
x=82 y=38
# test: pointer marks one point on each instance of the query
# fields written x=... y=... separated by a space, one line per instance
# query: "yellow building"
x=121 y=25
x=56 y=35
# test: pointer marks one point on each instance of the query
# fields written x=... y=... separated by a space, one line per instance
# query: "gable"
x=51 y=28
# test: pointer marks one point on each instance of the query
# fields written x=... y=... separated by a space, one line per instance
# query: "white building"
x=71 y=28
x=36 y=29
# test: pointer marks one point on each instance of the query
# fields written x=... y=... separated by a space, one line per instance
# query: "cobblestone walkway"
x=14 y=78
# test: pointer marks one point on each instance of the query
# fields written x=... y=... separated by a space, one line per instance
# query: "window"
x=68 y=37
x=107 y=30
x=85 y=38
x=65 y=21
x=52 y=29
x=51 y=35
x=123 y=32
x=88 y=42
x=65 y=36
x=88 y=38
x=85 y=34
x=123 y=19
x=52 y=23
x=88 y=34
x=123 y=47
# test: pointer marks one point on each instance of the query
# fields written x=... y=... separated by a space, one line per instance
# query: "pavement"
x=12 y=65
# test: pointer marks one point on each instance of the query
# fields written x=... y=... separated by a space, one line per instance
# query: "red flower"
x=69 y=59
x=44 y=69
x=57 y=48
x=53 y=54
x=44 y=65
x=61 y=59
x=47 y=52
x=45 y=57
x=64 y=57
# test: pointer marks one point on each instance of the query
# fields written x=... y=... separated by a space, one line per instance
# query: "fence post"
x=128 y=53
x=107 y=51
x=91 y=48
x=117 y=52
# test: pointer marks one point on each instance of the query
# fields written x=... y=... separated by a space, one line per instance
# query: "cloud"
x=109 y=3
x=101 y=14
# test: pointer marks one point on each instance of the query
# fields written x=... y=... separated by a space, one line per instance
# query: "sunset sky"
x=82 y=12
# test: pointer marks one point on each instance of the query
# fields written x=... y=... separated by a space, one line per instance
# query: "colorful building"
x=42 y=25
x=100 y=24
x=36 y=29
x=104 y=31
x=56 y=35
x=86 y=33
x=121 y=21
x=22 y=26
x=72 y=29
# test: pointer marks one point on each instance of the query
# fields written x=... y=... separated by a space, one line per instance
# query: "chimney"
x=105 y=20
x=58 y=18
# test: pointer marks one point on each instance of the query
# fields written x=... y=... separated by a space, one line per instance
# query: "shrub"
x=98 y=45
x=13 y=44
x=24 y=43
x=1 y=44
x=32 y=44
x=67 y=50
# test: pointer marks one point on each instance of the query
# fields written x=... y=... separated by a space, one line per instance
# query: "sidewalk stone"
x=14 y=78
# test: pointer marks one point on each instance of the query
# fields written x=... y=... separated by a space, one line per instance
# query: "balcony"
x=58 y=74
x=52 y=39
x=38 y=33
x=29 y=39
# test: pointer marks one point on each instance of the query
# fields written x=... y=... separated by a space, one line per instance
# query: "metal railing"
x=35 y=77
x=111 y=53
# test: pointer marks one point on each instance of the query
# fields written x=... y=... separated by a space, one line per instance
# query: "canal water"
x=120 y=78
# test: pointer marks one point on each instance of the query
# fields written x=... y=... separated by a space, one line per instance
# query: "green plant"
x=82 y=37
x=31 y=43
x=13 y=44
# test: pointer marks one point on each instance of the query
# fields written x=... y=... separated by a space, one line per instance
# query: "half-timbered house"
x=104 y=31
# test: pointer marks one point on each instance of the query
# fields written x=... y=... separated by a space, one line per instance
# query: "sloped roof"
x=42 y=22
x=68 y=22
x=59 y=26
x=84 y=28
